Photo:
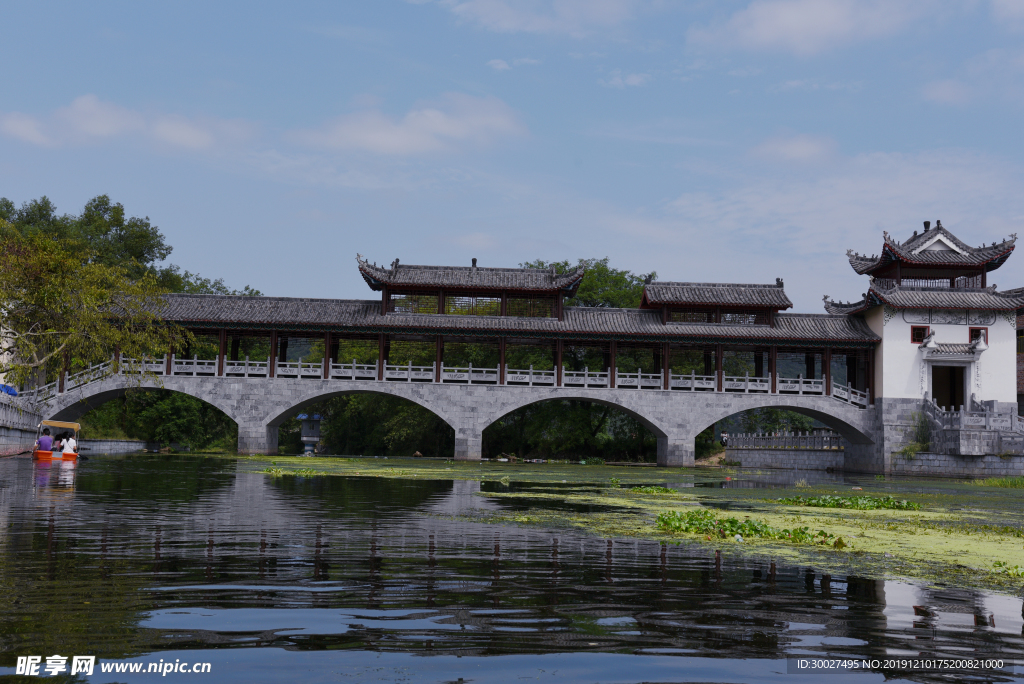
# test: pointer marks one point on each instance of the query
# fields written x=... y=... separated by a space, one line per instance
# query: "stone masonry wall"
x=799 y=459
x=943 y=465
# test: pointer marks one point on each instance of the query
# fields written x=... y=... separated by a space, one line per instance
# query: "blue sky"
x=708 y=141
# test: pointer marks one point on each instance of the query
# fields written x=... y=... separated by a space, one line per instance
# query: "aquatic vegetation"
x=593 y=460
x=861 y=503
x=273 y=471
x=1006 y=482
x=1002 y=568
x=653 y=490
x=705 y=522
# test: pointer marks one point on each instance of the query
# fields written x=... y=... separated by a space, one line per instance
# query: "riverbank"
x=963 y=534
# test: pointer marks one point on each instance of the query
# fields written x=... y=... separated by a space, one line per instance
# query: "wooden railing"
x=785 y=440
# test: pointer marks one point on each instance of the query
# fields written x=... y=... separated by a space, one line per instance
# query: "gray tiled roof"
x=982 y=299
x=952 y=349
x=362 y=316
x=469 y=277
x=991 y=257
x=717 y=294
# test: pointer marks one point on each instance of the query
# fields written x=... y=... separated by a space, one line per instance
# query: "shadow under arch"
x=851 y=433
x=655 y=429
x=88 y=402
x=303 y=405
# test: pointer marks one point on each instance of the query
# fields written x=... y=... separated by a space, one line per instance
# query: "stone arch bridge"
x=260 y=404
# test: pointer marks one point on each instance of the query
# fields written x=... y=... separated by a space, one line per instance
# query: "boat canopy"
x=61 y=424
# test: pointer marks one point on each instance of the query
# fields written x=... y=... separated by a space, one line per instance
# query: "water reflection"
x=127 y=557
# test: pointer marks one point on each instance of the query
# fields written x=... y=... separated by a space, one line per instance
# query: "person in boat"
x=45 y=442
x=69 y=444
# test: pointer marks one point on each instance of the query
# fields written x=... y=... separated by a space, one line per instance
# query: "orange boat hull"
x=51 y=456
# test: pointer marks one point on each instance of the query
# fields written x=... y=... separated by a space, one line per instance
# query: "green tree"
x=62 y=311
x=602 y=285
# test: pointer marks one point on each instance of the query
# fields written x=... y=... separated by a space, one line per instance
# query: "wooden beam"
x=501 y=352
x=719 y=353
x=223 y=351
x=666 y=368
x=558 y=363
x=439 y=358
x=826 y=370
x=613 y=349
x=273 y=353
x=328 y=360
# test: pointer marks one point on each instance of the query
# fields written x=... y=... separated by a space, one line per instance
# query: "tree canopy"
x=602 y=285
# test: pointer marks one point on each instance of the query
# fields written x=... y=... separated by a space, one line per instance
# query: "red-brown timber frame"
x=381 y=341
x=558 y=363
x=826 y=370
x=666 y=369
x=273 y=353
x=613 y=350
x=223 y=351
x=328 y=359
x=501 y=349
x=438 y=357
x=719 y=353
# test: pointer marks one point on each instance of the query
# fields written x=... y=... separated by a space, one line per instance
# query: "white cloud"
x=499 y=65
x=807 y=27
x=456 y=119
x=948 y=91
x=25 y=128
x=88 y=120
x=798 y=225
x=526 y=60
x=617 y=79
x=1008 y=9
x=572 y=17
x=797 y=148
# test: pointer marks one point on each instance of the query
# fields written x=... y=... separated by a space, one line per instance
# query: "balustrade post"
x=501 y=347
x=693 y=380
x=408 y=372
x=799 y=383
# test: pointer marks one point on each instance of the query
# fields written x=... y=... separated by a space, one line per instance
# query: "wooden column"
x=664 y=315
x=273 y=353
x=773 y=367
x=504 y=307
x=719 y=349
x=381 y=356
x=383 y=300
x=501 y=352
x=984 y=278
x=327 y=355
x=826 y=370
x=558 y=305
x=440 y=301
x=899 y=274
x=439 y=358
x=613 y=349
x=558 y=363
x=666 y=368
x=169 y=367
x=223 y=351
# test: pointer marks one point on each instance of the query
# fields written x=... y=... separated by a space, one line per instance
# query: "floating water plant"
x=1007 y=482
x=705 y=522
x=861 y=503
x=653 y=490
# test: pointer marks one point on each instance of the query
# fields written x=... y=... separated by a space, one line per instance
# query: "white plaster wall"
x=873 y=317
x=906 y=376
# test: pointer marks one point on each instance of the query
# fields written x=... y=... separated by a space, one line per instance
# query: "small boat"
x=58 y=426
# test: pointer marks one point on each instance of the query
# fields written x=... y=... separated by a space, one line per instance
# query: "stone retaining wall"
x=798 y=459
x=16 y=440
x=112 y=446
x=944 y=465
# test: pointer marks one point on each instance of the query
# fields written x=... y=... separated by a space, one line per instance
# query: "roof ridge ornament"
x=778 y=282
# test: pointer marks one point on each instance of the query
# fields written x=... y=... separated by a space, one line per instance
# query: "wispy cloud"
x=618 y=79
x=570 y=17
x=796 y=148
x=456 y=119
x=90 y=120
x=808 y=27
x=947 y=91
x=994 y=73
x=499 y=65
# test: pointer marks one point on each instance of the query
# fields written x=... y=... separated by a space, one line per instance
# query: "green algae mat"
x=939 y=531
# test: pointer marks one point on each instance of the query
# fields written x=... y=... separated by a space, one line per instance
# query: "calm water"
x=143 y=558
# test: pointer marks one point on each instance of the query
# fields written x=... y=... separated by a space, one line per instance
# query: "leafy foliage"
x=61 y=310
x=602 y=285
x=860 y=503
x=705 y=522
x=653 y=489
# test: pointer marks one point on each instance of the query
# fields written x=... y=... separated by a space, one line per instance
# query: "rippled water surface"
x=189 y=559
